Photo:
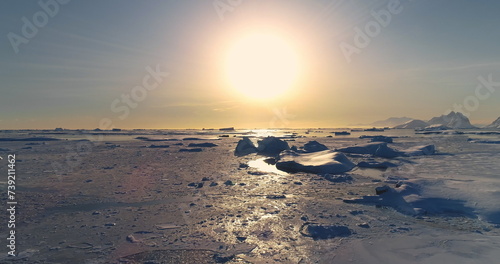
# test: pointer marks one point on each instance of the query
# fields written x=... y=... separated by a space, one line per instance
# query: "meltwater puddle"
x=263 y=166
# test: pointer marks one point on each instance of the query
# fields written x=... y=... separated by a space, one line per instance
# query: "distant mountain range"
x=413 y=124
x=454 y=120
x=495 y=124
x=391 y=122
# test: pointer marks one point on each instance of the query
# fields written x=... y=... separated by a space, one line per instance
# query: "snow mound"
x=369 y=148
x=420 y=150
x=322 y=162
x=313 y=146
x=379 y=149
x=413 y=124
x=406 y=199
x=384 y=151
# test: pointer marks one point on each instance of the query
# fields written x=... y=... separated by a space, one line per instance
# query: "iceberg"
x=271 y=146
x=245 y=146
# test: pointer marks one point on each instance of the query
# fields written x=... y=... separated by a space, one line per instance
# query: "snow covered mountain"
x=452 y=120
x=495 y=124
x=413 y=124
x=391 y=122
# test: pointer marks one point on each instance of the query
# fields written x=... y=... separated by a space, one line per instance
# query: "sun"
x=262 y=66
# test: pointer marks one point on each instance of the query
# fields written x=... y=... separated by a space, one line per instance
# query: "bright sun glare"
x=262 y=66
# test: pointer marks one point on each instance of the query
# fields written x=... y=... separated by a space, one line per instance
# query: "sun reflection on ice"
x=263 y=166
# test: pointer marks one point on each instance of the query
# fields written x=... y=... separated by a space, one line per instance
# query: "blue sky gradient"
x=425 y=61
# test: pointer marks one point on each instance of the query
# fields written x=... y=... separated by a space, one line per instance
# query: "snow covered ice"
x=326 y=161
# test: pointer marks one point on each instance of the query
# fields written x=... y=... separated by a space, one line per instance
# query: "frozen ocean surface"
x=445 y=205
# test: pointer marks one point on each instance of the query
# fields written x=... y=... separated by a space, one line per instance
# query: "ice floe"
x=375 y=164
x=420 y=150
x=378 y=138
x=202 y=145
x=318 y=231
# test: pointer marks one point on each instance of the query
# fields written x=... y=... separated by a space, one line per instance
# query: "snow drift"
x=380 y=149
x=326 y=161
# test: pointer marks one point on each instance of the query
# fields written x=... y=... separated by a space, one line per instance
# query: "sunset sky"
x=307 y=60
